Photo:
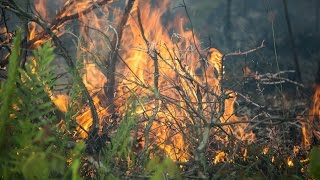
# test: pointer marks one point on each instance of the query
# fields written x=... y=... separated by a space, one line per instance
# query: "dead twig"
x=271 y=79
x=250 y=101
x=240 y=53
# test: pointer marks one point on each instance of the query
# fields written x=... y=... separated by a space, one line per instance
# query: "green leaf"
x=314 y=166
x=75 y=166
x=36 y=167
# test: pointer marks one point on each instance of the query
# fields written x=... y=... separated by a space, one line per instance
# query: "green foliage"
x=31 y=146
x=314 y=166
x=165 y=169
x=35 y=167
x=8 y=92
x=122 y=139
x=75 y=165
x=36 y=83
x=119 y=152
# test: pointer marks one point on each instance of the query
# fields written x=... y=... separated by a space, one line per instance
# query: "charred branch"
x=60 y=19
x=113 y=59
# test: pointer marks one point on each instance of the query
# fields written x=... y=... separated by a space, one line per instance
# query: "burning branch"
x=62 y=18
x=152 y=52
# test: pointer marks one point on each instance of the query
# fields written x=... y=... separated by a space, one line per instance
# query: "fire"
x=309 y=127
x=290 y=162
x=177 y=85
x=315 y=111
x=61 y=101
x=180 y=65
x=34 y=28
x=296 y=149
x=220 y=157
x=265 y=150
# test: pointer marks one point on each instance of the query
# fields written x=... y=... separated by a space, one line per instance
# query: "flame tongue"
x=310 y=128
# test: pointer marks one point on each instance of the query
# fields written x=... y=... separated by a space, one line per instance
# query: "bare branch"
x=239 y=53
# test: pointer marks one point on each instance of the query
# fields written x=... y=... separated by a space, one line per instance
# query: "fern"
x=10 y=85
x=36 y=82
x=121 y=140
x=7 y=92
x=31 y=146
x=119 y=150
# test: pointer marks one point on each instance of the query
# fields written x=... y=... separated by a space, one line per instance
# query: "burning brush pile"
x=141 y=63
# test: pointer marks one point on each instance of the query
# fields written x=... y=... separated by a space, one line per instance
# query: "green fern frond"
x=7 y=94
x=36 y=84
x=10 y=85
x=122 y=139
x=30 y=142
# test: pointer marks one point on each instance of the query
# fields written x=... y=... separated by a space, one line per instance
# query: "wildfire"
x=176 y=84
x=309 y=128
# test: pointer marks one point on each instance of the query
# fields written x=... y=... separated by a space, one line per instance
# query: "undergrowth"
x=34 y=145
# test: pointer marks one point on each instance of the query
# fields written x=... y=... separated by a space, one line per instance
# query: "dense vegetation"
x=40 y=140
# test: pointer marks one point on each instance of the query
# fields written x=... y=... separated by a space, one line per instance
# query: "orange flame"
x=220 y=157
x=308 y=128
x=290 y=162
x=315 y=109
